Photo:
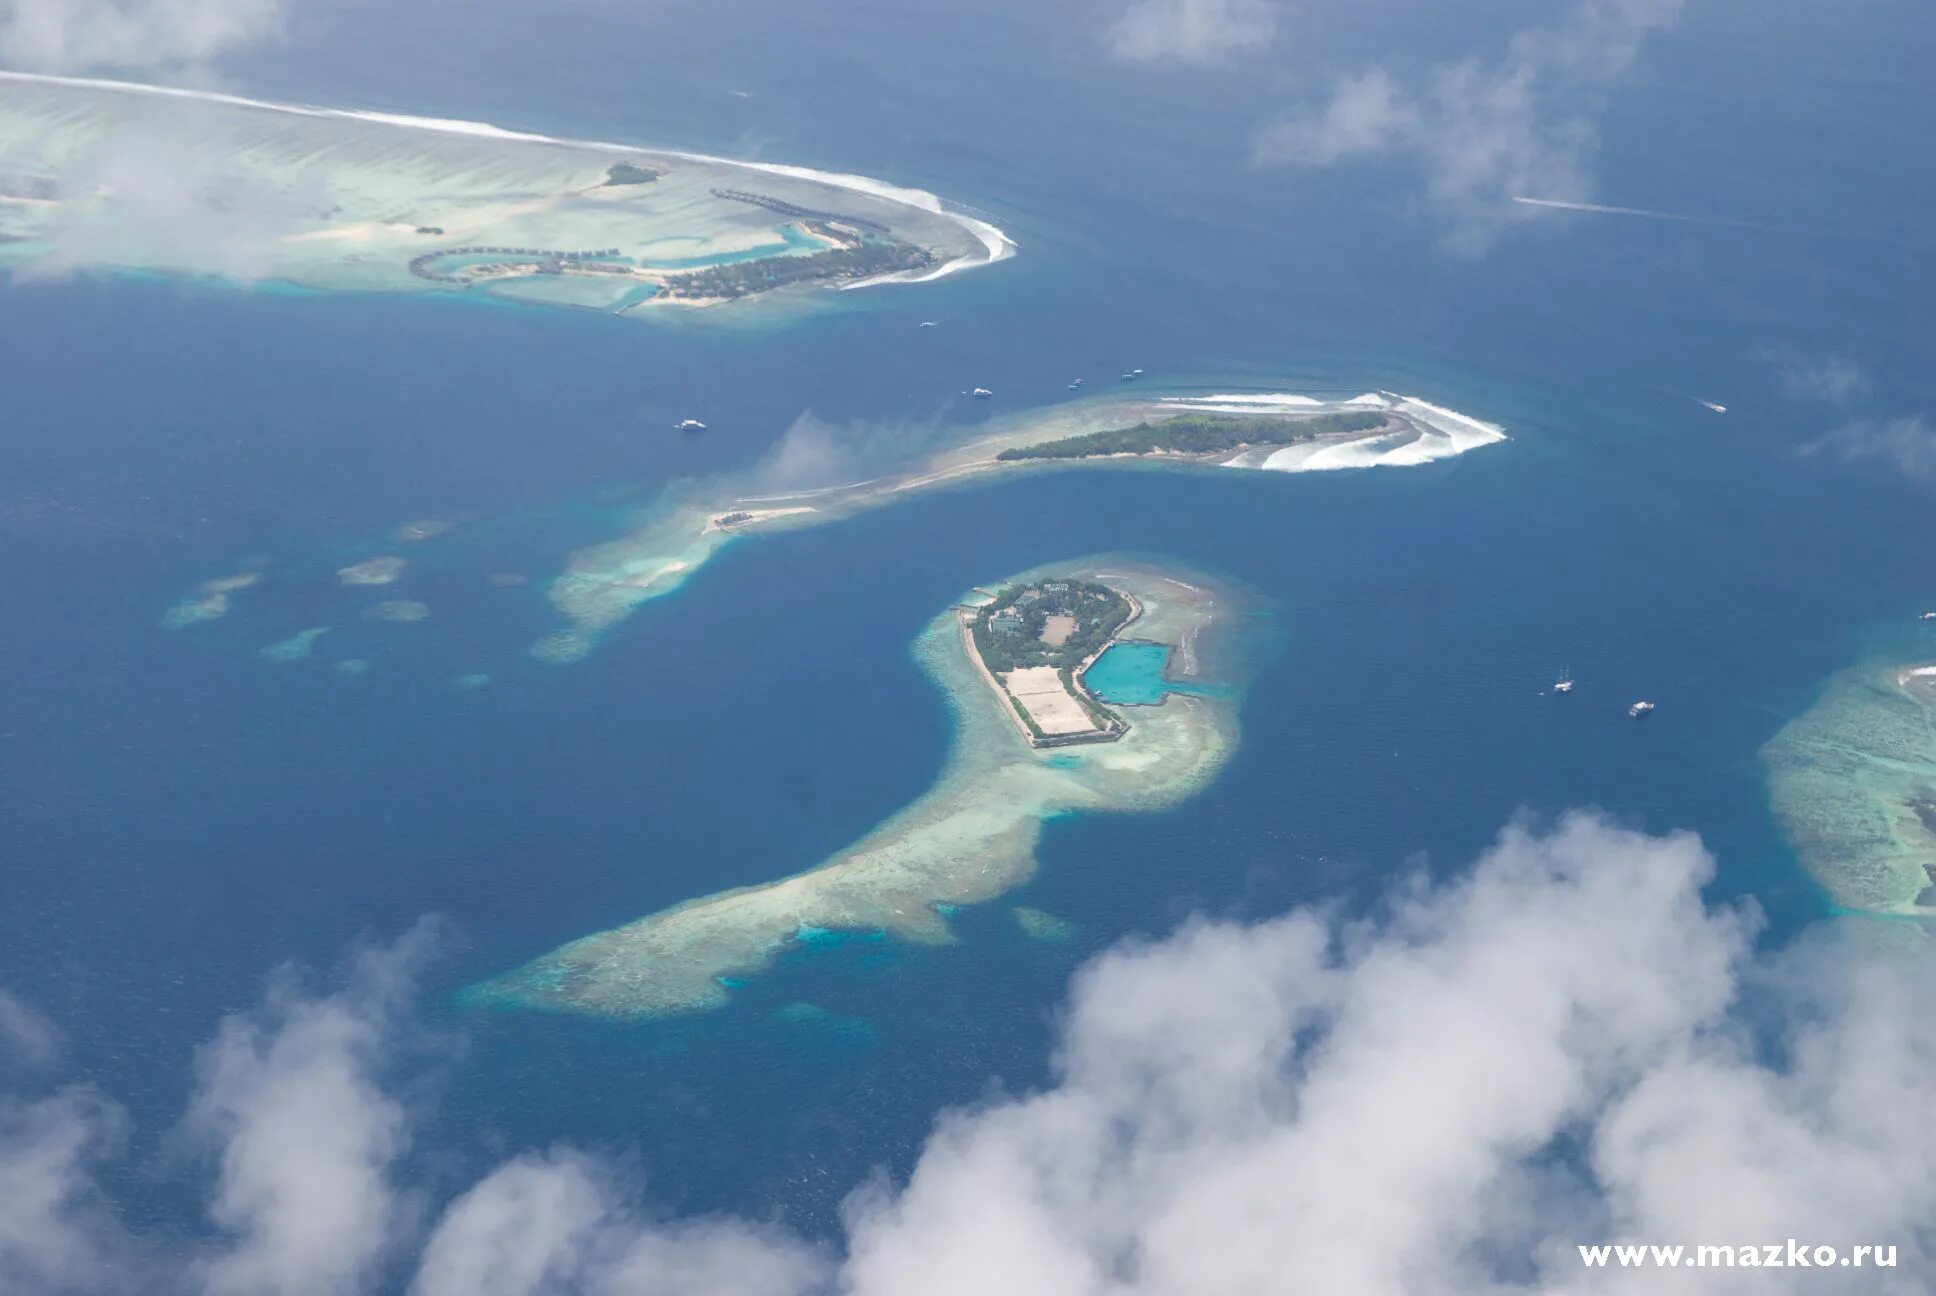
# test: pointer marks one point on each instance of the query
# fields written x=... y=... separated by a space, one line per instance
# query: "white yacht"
x=1639 y=709
x=690 y=425
x=1564 y=684
x=982 y=393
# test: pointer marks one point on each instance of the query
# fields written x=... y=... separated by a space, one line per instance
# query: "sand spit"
x=604 y=583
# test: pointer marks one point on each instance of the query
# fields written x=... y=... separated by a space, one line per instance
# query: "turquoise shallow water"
x=1131 y=674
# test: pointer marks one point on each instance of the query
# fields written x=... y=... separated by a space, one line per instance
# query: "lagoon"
x=1130 y=673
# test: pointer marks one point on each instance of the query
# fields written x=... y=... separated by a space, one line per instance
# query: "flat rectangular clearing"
x=1040 y=692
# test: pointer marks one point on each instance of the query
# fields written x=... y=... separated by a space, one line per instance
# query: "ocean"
x=180 y=817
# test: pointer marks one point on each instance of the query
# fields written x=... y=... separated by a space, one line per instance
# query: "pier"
x=798 y=212
x=423 y=264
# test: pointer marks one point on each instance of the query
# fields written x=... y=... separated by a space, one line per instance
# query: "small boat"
x=1640 y=709
x=927 y=323
x=1564 y=684
x=1928 y=616
x=982 y=393
x=1718 y=409
x=1132 y=375
x=1075 y=384
x=689 y=425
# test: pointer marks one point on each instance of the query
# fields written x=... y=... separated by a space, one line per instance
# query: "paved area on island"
x=1057 y=629
x=1039 y=691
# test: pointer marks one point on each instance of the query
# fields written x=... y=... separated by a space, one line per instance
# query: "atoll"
x=366 y=201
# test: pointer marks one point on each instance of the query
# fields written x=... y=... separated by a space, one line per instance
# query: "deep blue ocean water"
x=179 y=818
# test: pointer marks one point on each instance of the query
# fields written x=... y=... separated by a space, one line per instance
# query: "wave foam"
x=1443 y=432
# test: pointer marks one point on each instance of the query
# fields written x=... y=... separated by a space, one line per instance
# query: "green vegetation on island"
x=1199 y=434
x=1059 y=623
x=743 y=278
x=625 y=173
x=732 y=519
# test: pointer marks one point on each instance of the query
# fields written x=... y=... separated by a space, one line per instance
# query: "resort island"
x=334 y=199
x=972 y=836
x=1032 y=644
x=1853 y=784
x=1271 y=431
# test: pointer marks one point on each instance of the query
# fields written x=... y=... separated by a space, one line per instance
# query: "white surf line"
x=997 y=244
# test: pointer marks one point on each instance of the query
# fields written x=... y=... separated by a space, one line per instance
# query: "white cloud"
x=1833 y=380
x=1366 y=114
x=1292 y=1107
x=1483 y=131
x=813 y=454
x=1441 y=1099
x=25 y=1035
x=1191 y=31
x=131 y=188
x=1908 y=444
x=291 y=1102
x=557 y=1223
x=82 y=35
x=56 y=1235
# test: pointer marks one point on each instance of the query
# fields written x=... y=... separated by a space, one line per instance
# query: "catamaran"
x=1639 y=709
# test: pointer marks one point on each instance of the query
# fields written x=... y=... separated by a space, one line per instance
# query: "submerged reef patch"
x=209 y=602
x=371 y=571
x=396 y=610
x=1039 y=924
x=296 y=647
x=1853 y=783
x=968 y=839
